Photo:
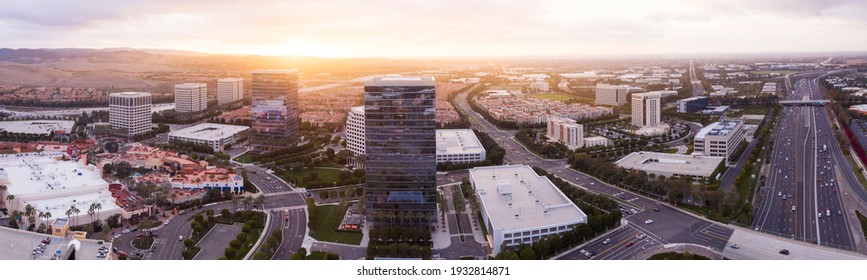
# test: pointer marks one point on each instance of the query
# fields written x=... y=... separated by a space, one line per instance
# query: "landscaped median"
x=253 y=224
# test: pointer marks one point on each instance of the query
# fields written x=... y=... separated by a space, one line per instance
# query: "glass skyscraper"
x=275 y=109
x=400 y=151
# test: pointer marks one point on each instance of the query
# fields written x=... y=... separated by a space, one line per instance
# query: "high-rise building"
x=612 y=95
x=275 y=109
x=129 y=113
x=191 y=97
x=400 y=150
x=355 y=130
x=566 y=131
x=230 y=90
x=692 y=104
x=719 y=139
x=646 y=109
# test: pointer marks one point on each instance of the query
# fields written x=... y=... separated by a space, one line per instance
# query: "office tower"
x=719 y=139
x=612 y=95
x=646 y=109
x=275 y=109
x=400 y=149
x=355 y=130
x=129 y=113
x=191 y=97
x=230 y=90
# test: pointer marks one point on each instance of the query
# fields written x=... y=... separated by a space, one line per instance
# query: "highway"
x=802 y=186
x=697 y=87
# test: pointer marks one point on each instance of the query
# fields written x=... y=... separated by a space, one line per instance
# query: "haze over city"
x=385 y=28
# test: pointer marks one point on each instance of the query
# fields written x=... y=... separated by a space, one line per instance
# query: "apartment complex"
x=646 y=109
x=275 y=109
x=191 y=97
x=400 y=148
x=719 y=139
x=692 y=104
x=611 y=95
x=506 y=107
x=566 y=131
x=230 y=90
x=459 y=146
x=129 y=113
x=520 y=207
x=216 y=136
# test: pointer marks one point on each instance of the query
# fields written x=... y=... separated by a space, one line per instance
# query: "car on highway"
x=734 y=246
x=793 y=207
x=784 y=251
x=779 y=193
x=648 y=222
x=839 y=212
x=181 y=238
x=820 y=214
x=827 y=212
x=629 y=244
x=641 y=236
x=607 y=240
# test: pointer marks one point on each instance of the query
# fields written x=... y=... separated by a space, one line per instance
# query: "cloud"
x=434 y=28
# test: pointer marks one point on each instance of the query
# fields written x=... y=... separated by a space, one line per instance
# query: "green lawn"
x=863 y=221
x=324 y=227
x=670 y=151
x=858 y=174
x=244 y=158
x=326 y=175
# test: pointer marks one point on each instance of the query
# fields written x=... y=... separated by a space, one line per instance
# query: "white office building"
x=216 y=136
x=566 y=131
x=230 y=90
x=612 y=95
x=129 y=113
x=355 y=130
x=459 y=146
x=719 y=139
x=695 y=167
x=646 y=109
x=191 y=97
x=520 y=207
x=54 y=186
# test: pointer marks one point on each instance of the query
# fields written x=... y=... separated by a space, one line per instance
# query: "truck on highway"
x=825 y=148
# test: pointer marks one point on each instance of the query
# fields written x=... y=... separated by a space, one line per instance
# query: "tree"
x=9 y=199
x=259 y=201
x=248 y=201
x=225 y=213
x=98 y=207
x=230 y=253
x=235 y=200
x=3 y=189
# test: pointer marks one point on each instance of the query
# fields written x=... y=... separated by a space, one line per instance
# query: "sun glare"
x=297 y=47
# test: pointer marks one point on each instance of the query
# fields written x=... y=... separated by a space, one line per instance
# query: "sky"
x=447 y=28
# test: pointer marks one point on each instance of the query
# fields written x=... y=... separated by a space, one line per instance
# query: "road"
x=803 y=186
x=670 y=225
x=697 y=87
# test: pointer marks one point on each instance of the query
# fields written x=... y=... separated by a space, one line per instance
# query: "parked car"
x=784 y=251
x=734 y=246
x=648 y=222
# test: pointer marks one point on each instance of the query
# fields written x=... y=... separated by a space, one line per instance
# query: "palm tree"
x=29 y=210
x=98 y=207
x=75 y=211
x=3 y=191
x=9 y=199
x=247 y=202
x=259 y=201
x=174 y=195
x=69 y=214
x=45 y=217
x=91 y=211
x=235 y=200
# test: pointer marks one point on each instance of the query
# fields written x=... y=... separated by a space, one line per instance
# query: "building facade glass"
x=400 y=149
x=274 y=109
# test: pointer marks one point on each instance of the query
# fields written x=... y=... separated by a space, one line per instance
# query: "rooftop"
x=230 y=79
x=208 y=131
x=401 y=81
x=515 y=197
x=657 y=163
x=720 y=128
x=52 y=185
x=37 y=126
x=130 y=94
x=190 y=85
x=18 y=245
x=458 y=141
x=693 y=98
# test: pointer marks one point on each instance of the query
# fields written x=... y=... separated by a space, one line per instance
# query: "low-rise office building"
x=719 y=139
x=459 y=146
x=520 y=207
x=692 y=104
x=672 y=165
x=566 y=131
x=216 y=136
